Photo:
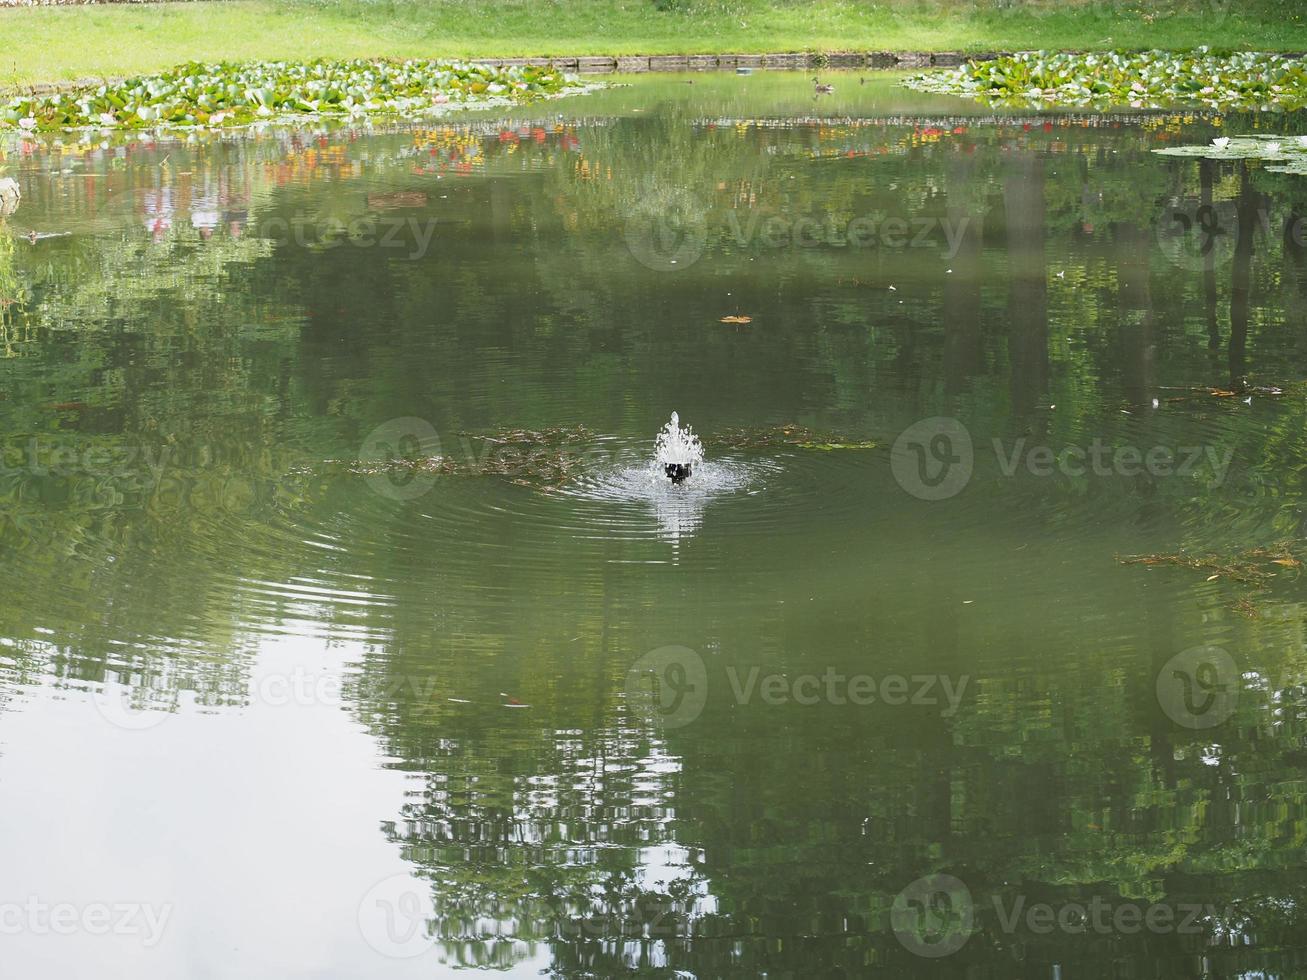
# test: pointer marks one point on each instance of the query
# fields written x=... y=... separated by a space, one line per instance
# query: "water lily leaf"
x=190 y=94
x=1247 y=80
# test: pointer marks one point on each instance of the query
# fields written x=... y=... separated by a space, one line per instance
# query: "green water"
x=528 y=708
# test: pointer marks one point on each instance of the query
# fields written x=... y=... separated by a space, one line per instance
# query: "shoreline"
x=669 y=63
x=651 y=63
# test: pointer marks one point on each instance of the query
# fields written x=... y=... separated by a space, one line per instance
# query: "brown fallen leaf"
x=1287 y=562
x=737 y=319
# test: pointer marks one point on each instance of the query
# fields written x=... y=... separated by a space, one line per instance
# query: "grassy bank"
x=47 y=44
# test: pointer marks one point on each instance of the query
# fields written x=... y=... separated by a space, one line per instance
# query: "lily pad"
x=1246 y=148
x=225 y=94
x=1246 y=80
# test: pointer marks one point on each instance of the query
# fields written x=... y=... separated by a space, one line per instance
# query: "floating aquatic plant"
x=795 y=436
x=225 y=94
x=1290 y=153
x=1250 y=566
x=1246 y=80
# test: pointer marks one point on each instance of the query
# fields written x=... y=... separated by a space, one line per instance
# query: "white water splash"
x=677 y=445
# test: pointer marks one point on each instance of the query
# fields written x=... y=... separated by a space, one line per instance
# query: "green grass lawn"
x=46 y=44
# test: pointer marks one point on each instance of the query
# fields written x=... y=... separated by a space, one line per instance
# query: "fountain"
x=678 y=450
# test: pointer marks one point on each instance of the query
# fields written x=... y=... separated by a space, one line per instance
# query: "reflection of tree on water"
x=1207 y=170
x=1250 y=206
x=801 y=824
x=1023 y=195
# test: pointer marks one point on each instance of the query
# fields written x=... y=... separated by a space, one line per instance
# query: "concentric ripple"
x=639 y=494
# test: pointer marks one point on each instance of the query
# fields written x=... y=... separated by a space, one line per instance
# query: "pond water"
x=872 y=693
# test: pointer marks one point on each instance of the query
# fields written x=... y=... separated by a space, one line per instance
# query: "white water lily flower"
x=1272 y=149
x=1221 y=142
x=1302 y=140
x=107 y=119
x=27 y=123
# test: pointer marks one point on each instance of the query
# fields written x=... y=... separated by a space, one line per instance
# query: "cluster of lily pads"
x=1288 y=153
x=220 y=95
x=1246 y=80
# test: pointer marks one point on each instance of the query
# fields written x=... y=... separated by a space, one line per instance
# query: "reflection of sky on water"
x=263 y=845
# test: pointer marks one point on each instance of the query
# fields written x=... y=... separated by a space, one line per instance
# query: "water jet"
x=677 y=450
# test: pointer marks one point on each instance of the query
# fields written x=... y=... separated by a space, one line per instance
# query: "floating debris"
x=525 y=457
x=795 y=436
x=1249 y=567
x=1244 y=391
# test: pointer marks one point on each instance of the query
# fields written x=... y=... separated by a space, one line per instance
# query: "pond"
x=346 y=633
